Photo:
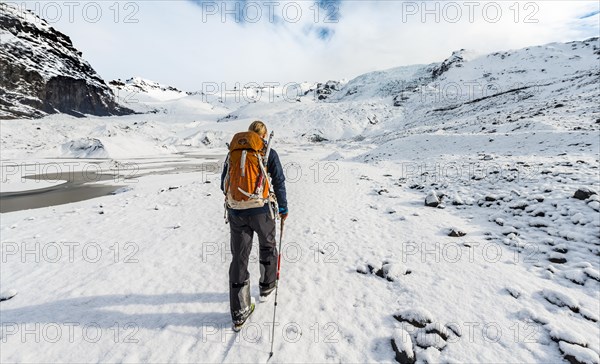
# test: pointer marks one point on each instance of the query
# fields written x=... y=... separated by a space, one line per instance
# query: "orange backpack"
x=246 y=181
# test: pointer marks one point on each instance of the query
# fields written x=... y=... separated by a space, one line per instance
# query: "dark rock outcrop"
x=432 y=199
x=324 y=90
x=455 y=233
x=42 y=73
x=584 y=193
x=455 y=60
x=402 y=356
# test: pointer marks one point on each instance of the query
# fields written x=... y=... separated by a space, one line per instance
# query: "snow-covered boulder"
x=560 y=299
x=432 y=199
x=418 y=317
x=430 y=340
x=576 y=354
x=456 y=233
x=85 y=148
x=583 y=193
x=403 y=347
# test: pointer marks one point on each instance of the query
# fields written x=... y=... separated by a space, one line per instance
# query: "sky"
x=189 y=43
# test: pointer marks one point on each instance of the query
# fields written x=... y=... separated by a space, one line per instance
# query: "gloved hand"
x=283 y=213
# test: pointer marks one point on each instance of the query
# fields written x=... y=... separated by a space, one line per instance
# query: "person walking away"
x=249 y=203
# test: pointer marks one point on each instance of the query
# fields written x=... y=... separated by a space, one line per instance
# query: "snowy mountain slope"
x=382 y=84
x=550 y=80
x=555 y=84
x=66 y=137
x=551 y=86
x=42 y=73
x=147 y=96
x=309 y=119
x=142 y=94
x=481 y=72
x=482 y=95
x=153 y=91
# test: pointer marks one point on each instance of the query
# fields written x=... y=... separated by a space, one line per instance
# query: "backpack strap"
x=225 y=188
x=243 y=163
x=226 y=181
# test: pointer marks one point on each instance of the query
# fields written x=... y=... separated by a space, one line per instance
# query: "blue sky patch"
x=588 y=15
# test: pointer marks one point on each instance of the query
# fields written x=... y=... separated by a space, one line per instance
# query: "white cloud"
x=171 y=44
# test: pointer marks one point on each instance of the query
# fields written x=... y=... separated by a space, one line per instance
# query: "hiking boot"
x=237 y=324
x=266 y=293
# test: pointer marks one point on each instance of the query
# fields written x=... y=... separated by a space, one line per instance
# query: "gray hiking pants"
x=242 y=232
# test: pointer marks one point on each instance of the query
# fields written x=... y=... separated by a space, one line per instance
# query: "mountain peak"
x=43 y=73
x=457 y=59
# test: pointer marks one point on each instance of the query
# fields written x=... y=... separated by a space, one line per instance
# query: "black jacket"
x=275 y=169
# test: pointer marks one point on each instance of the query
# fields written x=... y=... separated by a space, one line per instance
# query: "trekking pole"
x=276 y=287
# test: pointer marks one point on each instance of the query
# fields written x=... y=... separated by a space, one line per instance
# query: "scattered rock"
x=507 y=230
x=454 y=328
x=516 y=293
x=578 y=218
x=576 y=276
x=316 y=138
x=389 y=270
x=576 y=354
x=430 y=340
x=584 y=193
x=592 y=273
x=538 y=223
x=561 y=333
x=365 y=269
x=557 y=258
x=403 y=347
x=392 y=271
x=588 y=315
x=455 y=233
x=560 y=299
x=560 y=248
x=379 y=272
x=417 y=317
x=435 y=328
x=457 y=201
x=432 y=199
x=520 y=205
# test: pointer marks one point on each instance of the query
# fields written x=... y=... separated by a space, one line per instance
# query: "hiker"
x=249 y=210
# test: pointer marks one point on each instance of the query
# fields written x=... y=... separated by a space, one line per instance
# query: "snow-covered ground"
x=369 y=273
